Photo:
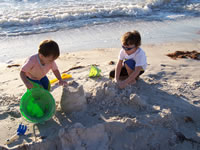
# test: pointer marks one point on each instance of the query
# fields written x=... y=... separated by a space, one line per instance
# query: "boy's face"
x=129 y=49
x=46 y=60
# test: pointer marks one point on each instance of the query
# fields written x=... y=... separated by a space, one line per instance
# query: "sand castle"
x=73 y=99
x=161 y=111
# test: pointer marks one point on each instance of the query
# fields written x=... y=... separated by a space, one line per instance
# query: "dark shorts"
x=130 y=63
x=44 y=82
x=124 y=73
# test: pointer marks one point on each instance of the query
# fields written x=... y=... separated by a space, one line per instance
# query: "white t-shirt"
x=138 y=56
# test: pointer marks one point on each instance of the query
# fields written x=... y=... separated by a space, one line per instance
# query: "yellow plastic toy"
x=63 y=76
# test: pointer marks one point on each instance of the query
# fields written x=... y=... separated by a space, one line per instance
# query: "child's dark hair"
x=49 y=48
x=131 y=38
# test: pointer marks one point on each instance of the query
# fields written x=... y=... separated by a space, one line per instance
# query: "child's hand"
x=62 y=82
x=117 y=81
x=29 y=85
x=122 y=84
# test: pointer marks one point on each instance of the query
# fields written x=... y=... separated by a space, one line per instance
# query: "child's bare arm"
x=28 y=84
x=118 y=70
x=134 y=74
x=131 y=78
x=58 y=76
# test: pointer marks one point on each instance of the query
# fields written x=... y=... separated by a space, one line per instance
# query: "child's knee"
x=130 y=63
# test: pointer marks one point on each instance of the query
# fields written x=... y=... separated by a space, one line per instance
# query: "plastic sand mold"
x=63 y=76
x=94 y=71
x=37 y=105
x=20 y=131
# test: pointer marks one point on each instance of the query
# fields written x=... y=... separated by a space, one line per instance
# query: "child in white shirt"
x=132 y=60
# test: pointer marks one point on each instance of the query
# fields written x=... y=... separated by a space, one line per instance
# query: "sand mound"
x=121 y=119
x=161 y=111
x=73 y=99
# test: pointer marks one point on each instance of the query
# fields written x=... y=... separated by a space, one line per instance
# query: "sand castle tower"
x=73 y=99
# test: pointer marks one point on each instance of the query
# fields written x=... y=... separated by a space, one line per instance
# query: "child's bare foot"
x=132 y=82
x=123 y=77
x=137 y=78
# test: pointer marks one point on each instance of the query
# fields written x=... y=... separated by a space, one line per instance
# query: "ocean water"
x=88 y=24
x=25 y=17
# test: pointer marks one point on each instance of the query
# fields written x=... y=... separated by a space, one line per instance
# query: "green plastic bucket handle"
x=36 y=85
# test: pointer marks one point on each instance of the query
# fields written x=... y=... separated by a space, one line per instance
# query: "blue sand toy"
x=20 y=131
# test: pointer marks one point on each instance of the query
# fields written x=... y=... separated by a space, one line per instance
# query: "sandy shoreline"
x=153 y=114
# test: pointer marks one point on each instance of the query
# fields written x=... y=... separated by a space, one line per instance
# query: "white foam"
x=101 y=36
x=30 y=17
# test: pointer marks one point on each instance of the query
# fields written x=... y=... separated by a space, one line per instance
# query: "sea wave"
x=32 y=17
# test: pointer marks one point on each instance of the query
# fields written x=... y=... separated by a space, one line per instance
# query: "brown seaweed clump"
x=185 y=54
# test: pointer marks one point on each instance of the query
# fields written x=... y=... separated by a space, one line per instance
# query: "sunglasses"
x=127 y=49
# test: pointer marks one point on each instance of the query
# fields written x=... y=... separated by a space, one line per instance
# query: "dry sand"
x=161 y=111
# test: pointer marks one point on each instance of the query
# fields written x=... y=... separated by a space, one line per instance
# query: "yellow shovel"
x=63 y=76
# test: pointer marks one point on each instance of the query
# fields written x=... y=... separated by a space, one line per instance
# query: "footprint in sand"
x=15 y=114
x=196 y=102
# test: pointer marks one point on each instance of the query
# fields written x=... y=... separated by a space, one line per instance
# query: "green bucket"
x=37 y=105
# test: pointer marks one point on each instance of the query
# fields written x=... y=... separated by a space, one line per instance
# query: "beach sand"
x=161 y=111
